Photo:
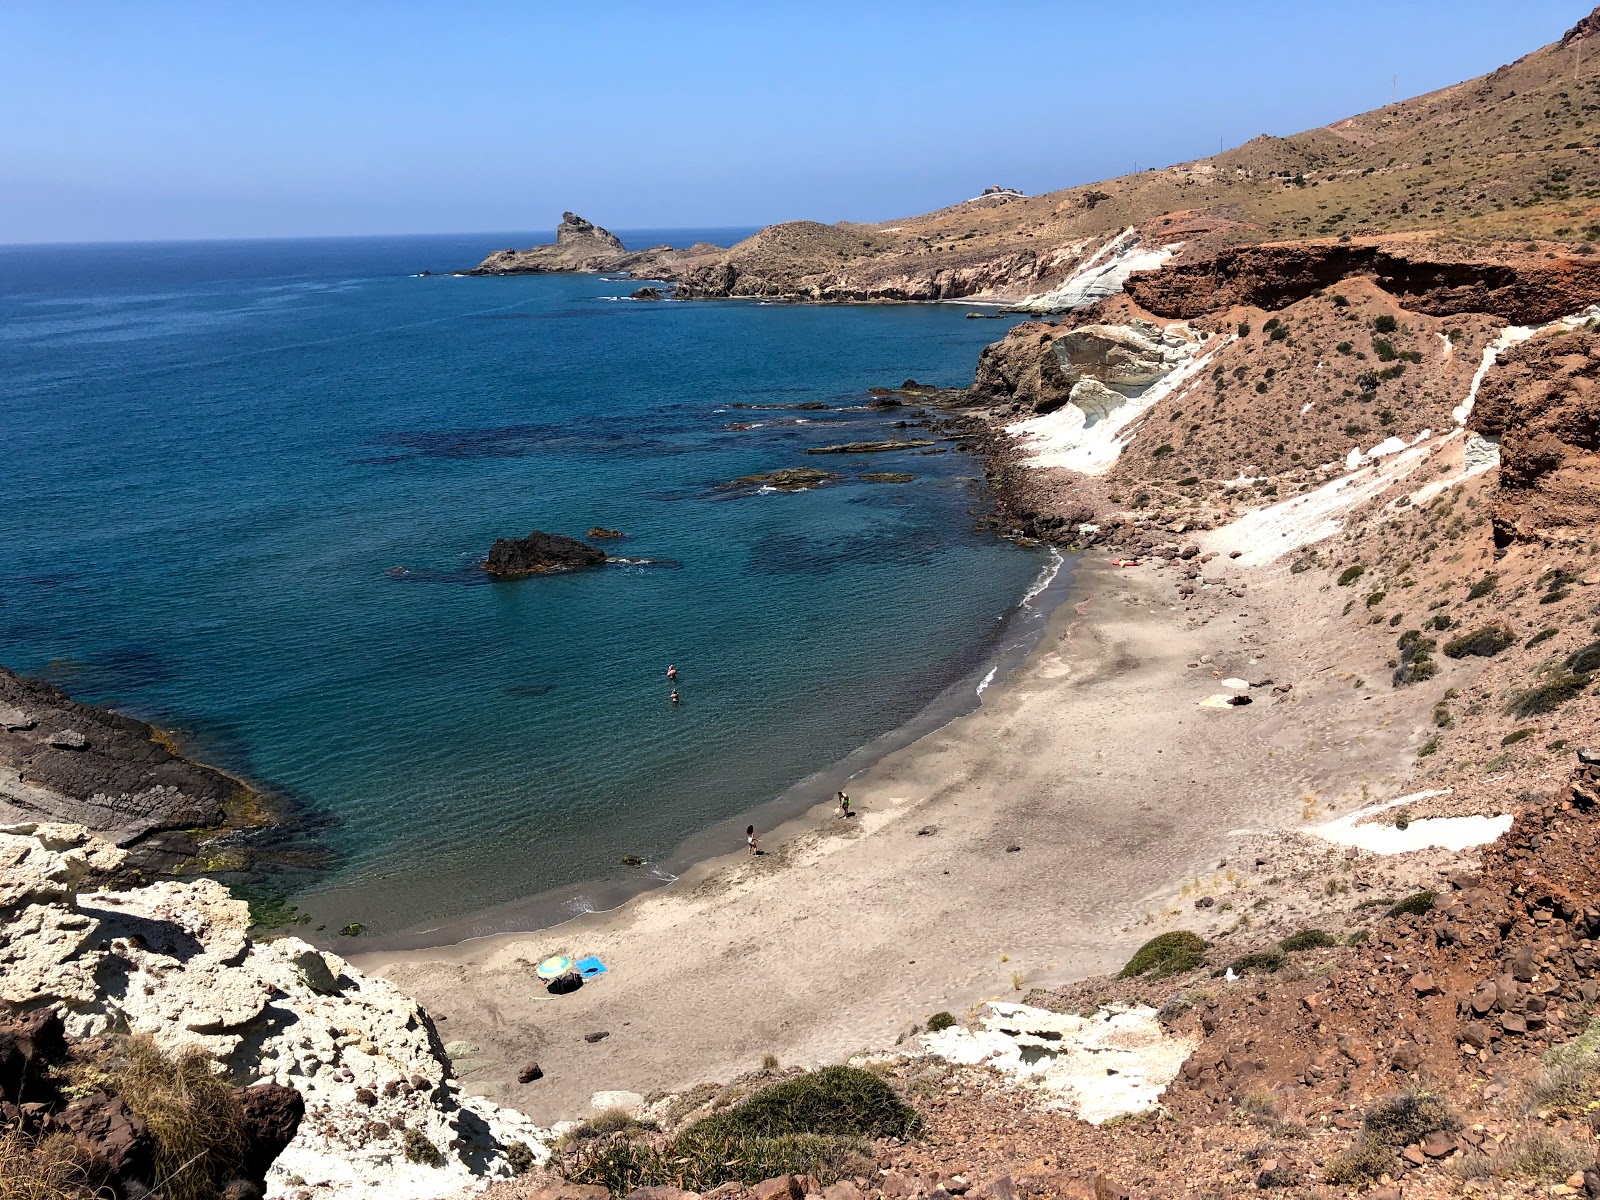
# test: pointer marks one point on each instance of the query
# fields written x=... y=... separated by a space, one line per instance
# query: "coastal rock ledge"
x=176 y=961
x=540 y=553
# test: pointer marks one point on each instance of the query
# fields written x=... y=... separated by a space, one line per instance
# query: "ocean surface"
x=243 y=490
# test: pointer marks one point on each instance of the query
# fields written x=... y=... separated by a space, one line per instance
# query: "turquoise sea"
x=244 y=486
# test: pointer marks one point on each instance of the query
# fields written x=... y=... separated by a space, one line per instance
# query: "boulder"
x=272 y=1115
x=540 y=553
x=69 y=739
x=115 y=1135
x=645 y=293
x=314 y=970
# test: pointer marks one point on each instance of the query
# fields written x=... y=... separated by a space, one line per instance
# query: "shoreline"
x=999 y=656
x=1011 y=849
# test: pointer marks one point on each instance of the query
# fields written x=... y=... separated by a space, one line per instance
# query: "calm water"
x=216 y=455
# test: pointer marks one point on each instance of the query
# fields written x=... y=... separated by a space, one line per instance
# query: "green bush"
x=1516 y=735
x=1162 y=450
x=1340 y=301
x=1265 y=961
x=1484 y=642
x=1166 y=954
x=1400 y=1120
x=1307 y=939
x=838 y=1101
x=1544 y=635
x=1414 y=905
x=1350 y=574
x=1431 y=746
x=698 y=1164
x=1585 y=661
x=1375 y=598
x=1244 y=329
x=418 y=1149
x=1549 y=695
x=1385 y=323
x=940 y=1020
x=1384 y=349
x=1483 y=587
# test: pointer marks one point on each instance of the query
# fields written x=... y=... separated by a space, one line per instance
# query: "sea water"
x=244 y=486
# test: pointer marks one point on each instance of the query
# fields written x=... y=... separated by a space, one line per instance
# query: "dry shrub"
x=1541 y=1154
x=194 y=1118
x=56 y=1168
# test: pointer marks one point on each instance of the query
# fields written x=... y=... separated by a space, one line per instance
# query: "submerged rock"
x=887 y=477
x=868 y=447
x=540 y=553
x=600 y=531
x=790 y=479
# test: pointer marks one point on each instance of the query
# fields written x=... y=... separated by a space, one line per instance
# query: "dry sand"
x=1029 y=843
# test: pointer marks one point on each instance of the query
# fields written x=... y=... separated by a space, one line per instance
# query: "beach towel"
x=590 y=967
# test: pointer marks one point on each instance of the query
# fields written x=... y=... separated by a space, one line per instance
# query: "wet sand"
x=1029 y=843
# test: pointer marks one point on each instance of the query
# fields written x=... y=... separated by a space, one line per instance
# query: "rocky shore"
x=63 y=761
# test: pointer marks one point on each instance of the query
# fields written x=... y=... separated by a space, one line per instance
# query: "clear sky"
x=161 y=119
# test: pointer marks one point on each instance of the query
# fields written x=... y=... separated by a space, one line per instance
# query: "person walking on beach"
x=672 y=673
x=750 y=840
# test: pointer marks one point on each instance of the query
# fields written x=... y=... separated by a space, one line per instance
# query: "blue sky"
x=187 y=120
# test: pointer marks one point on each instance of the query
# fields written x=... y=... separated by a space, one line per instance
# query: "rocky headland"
x=582 y=246
x=64 y=761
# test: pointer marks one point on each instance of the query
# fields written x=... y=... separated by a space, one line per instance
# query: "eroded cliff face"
x=1541 y=403
x=1520 y=289
x=176 y=961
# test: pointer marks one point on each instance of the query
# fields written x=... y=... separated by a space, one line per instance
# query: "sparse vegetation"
x=1546 y=697
x=1350 y=574
x=1483 y=587
x=420 y=1149
x=1307 y=939
x=1414 y=905
x=1166 y=954
x=940 y=1020
x=1483 y=642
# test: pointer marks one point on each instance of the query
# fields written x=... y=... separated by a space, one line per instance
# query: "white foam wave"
x=987 y=680
x=1047 y=576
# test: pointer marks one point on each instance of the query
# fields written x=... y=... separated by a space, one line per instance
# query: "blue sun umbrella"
x=553 y=967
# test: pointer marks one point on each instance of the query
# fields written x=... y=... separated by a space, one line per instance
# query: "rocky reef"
x=62 y=760
x=176 y=962
x=540 y=553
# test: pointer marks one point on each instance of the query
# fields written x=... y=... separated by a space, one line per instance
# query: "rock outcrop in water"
x=61 y=760
x=539 y=554
x=584 y=247
x=175 y=961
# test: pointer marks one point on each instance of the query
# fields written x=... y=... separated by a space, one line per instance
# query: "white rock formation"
x=1112 y=1064
x=175 y=960
x=1102 y=275
x=1121 y=371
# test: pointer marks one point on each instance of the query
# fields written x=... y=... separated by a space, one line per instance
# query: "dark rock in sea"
x=887 y=477
x=600 y=531
x=868 y=447
x=790 y=479
x=811 y=406
x=540 y=553
x=632 y=860
x=645 y=293
x=886 y=401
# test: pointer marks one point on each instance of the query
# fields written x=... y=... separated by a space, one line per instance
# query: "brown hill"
x=1508 y=155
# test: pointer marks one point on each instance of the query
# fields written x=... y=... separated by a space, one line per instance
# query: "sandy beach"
x=1027 y=844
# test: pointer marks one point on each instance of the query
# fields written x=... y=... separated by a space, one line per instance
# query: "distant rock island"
x=540 y=553
x=583 y=246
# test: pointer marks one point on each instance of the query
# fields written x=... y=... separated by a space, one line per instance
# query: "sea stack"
x=540 y=553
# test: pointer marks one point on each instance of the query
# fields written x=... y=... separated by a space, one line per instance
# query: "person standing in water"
x=675 y=695
x=672 y=673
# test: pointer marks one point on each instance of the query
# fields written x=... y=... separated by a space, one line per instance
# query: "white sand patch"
x=1113 y=1064
x=1071 y=439
x=1267 y=534
x=1238 y=685
x=1104 y=274
x=1449 y=346
x=1430 y=833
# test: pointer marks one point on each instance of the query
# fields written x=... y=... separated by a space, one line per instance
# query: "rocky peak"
x=1587 y=27
x=575 y=233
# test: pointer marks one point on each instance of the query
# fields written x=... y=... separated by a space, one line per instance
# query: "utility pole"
x=1394 y=84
